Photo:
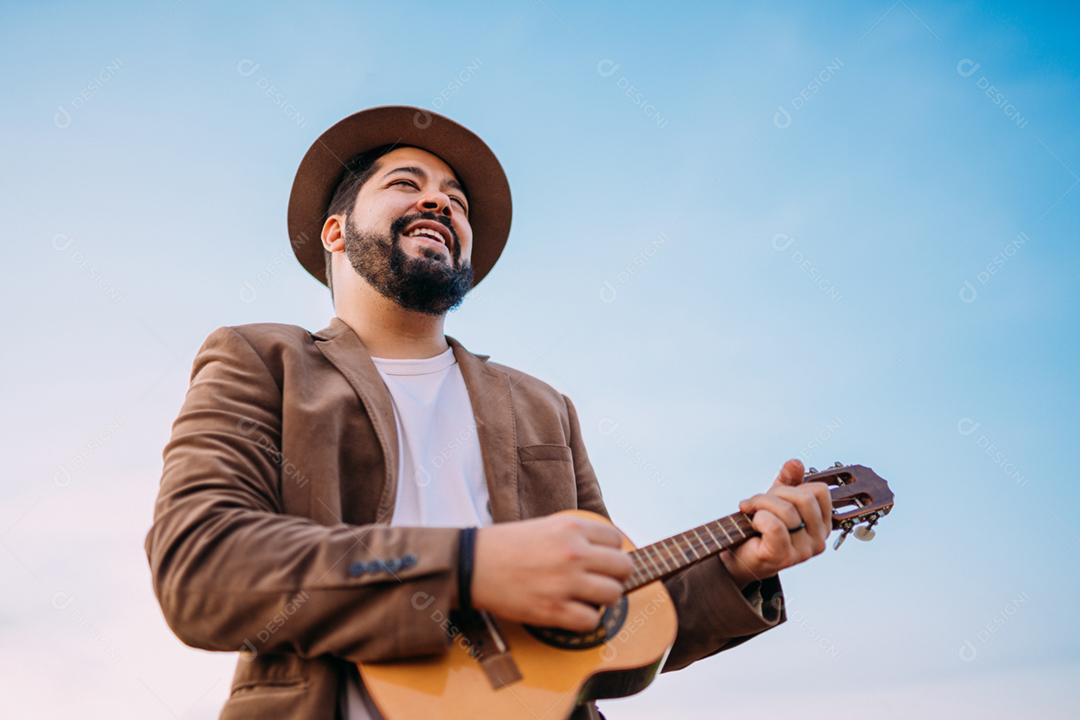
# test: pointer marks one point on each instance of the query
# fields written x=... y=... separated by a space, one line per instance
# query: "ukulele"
x=500 y=669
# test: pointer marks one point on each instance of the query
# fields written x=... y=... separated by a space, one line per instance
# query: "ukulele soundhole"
x=611 y=621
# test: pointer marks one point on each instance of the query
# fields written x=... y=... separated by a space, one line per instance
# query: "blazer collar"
x=489 y=393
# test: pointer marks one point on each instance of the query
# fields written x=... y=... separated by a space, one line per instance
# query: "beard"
x=426 y=284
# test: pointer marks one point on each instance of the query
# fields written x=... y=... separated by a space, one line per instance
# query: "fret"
x=675 y=564
x=718 y=543
x=687 y=548
x=658 y=547
x=662 y=564
x=644 y=553
x=638 y=570
x=642 y=578
x=676 y=552
x=724 y=530
x=701 y=540
x=735 y=525
x=739 y=526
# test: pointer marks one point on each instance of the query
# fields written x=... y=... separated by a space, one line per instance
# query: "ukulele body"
x=554 y=670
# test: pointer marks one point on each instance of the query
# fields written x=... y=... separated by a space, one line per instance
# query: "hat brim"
x=472 y=160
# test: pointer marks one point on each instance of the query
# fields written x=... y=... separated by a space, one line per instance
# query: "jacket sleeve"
x=232 y=572
x=714 y=613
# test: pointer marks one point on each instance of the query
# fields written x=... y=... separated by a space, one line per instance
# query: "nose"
x=436 y=202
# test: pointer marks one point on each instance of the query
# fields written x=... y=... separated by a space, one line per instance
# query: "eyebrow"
x=449 y=183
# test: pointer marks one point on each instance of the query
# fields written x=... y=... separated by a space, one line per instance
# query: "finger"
x=806 y=546
x=824 y=499
x=778 y=506
x=576 y=616
x=599 y=533
x=597 y=590
x=809 y=510
x=607 y=561
x=775 y=542
x=791 y=474
x=783 y=548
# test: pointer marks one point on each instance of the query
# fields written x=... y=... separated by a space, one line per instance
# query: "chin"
x=431 y=255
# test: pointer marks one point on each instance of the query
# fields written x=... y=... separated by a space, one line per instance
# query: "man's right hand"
x=549 y=571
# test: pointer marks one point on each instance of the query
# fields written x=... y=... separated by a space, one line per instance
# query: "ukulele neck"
x=670 y=555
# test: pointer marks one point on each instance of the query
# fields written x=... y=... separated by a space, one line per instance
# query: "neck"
x=387 y=329
x=667 y=557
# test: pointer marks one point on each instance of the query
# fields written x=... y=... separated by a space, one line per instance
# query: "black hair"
x=358 y=170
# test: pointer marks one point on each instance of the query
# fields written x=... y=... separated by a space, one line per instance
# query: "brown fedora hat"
x=323 y=167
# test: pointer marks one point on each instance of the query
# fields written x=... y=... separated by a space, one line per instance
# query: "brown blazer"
x=271 y=537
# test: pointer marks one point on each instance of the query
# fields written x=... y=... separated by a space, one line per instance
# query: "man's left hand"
x=788 y=504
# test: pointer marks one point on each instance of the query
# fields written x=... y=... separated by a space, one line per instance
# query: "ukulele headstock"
x=860 y=499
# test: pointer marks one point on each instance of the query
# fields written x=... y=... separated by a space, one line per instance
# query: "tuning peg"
x=865 y=533
x=841 y=538
x=837 y=463
x=811 y=471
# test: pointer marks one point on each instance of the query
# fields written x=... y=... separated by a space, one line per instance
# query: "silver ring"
x=802 y=526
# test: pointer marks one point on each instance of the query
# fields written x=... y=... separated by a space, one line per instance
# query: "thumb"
x=790 y=474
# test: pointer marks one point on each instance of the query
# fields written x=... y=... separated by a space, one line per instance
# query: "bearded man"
x=317 y=484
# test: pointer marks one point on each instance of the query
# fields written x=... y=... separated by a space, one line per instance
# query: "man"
x=316 y=484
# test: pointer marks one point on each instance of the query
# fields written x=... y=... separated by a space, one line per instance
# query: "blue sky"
x=839 y=231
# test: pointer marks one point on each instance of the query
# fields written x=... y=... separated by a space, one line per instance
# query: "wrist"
x=742 y=577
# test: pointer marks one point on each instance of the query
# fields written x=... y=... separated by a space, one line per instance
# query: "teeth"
x=427 y=232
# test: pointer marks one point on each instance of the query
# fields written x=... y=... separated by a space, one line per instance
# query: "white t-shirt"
x=441 y=471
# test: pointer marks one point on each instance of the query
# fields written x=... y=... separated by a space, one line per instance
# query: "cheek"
x=381 y=213
x=465 y=237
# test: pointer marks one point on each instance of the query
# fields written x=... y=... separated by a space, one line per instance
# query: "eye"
x=460 y=202
x=410 y=183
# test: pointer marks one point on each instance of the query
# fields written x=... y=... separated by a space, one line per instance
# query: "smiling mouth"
x=431 y=230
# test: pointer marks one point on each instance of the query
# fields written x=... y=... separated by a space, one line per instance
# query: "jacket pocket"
x=546 y=479
x=268 y=670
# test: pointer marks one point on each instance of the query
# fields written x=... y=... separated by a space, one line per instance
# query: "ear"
x=333 y=235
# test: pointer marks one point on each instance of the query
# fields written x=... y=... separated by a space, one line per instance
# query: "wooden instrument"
x=500 y=669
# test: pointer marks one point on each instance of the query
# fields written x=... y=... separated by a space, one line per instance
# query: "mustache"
x=399 y=225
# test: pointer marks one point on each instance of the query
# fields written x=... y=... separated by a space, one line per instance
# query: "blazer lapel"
x=492 y=403
x=342 y=347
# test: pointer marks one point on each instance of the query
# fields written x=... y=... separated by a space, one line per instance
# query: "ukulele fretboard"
x=670 y=555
